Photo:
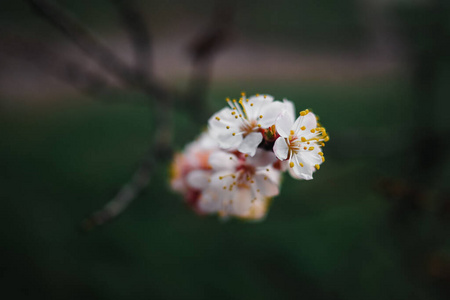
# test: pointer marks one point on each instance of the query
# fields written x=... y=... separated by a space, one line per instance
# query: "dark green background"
x=343 y=235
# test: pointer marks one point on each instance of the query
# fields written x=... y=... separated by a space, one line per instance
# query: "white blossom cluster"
x=235 y=167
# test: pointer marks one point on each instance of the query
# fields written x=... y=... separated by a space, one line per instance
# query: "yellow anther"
x=317 y=167
x=240 y=116
x=326 y=139
x=252 y=181
x=322 y=144
x=291 y=132
x=234 y=133
x=248 y=178
x=307 y=111
x=228 y=127
x=304 y=148
x=217 y=118
x=260 y=116
x=303 y=139
x=323 y=158
x=301 y=165
x=259 y=125
x=265 y=96
x=228 y=99
x=234 y=100
x=303 y=113
x=265 y=178
x=313 y=130
x=235 y=117
x=267 y=170
x=257 y=190
x=231 y=158
x=243 y=94
x=257 y=95
x=291 y=164
x=251 y=104
x=220 y=177
x=233 y=113
x=320 y=153
x=311 y=148
x=233 y=176
x=303 y=128
x=308 y=143
x=246 y=155
x=224 y=187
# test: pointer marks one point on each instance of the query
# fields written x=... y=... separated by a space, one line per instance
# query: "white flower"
x=240 y=126
x=190 y=168
x=240 y=185
x=300 y=143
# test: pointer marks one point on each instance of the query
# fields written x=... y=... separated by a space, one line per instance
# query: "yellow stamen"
x=303 y=128
x=311 y=148
x=303 y=139
x=291 y=164
x=217 y=118
x=317 y=167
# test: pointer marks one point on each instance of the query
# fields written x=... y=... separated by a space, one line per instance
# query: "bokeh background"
x=373 y=224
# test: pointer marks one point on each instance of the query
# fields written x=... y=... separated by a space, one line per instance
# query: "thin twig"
x=140 y=37
x=45 y=58
x=94 y=48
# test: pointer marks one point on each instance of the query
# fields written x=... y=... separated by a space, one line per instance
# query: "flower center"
x=248 y=127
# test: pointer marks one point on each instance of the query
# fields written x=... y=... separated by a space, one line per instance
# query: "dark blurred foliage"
x=373 y=224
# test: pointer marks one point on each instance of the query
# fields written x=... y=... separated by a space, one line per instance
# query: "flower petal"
x=221 y=160
x=284 y=124
x=309 y=121
x=250 y=143
x=198 y=179
x=290 y=108
x=269 y=113
x=262 y=158
x=280 y=148
x=266 y=186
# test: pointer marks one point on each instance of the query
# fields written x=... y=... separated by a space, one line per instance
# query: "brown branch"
x=55 y=64
x=139 y=34
x=69 y=26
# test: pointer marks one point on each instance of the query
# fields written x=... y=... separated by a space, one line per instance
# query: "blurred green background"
x=373 y=224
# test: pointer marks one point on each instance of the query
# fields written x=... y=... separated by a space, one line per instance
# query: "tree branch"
x=94 y=48
x=139 y=34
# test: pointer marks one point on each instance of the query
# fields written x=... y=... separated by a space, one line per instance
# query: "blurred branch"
x=87 y=81
x=202 y=50
x=94 y=48
x=204 y=47
x=139 y=35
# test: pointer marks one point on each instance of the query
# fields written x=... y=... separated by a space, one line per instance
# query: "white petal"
x=228 y=140
x=269 y=113
x=250 y=143
x=198 y=179
x=209 y=202
x=309 y=121
x=221 y=160
x=304 y=172
x=254 y=105
x=290 y=108
x=266 y=186
x=262 y=158
x=284 y=124
x=242 y=201
x=280 y=148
